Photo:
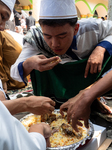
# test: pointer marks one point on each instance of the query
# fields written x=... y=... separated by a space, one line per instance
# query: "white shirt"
x=1 y=88
x=14 y=136
x=17 y=37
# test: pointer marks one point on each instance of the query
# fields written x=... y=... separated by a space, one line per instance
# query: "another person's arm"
x=15 y=136
x=95 y=61
x=104 y=34
x=78 y=107
x=35 y=104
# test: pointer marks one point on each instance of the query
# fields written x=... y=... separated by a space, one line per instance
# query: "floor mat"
x=27 y=88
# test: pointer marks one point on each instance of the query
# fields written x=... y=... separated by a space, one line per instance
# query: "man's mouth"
x=57 y=50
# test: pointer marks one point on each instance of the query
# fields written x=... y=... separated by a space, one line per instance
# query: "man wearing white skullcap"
x=6 y=7
x=85 y=49
x=13 y=135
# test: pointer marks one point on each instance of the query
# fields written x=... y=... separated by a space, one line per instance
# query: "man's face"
x=4 y=15
x=17 y=29
x=59 y=38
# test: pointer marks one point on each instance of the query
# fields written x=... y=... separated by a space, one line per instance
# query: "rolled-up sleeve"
x=105 y=35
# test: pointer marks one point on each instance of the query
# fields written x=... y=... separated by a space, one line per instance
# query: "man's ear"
x=76 y=28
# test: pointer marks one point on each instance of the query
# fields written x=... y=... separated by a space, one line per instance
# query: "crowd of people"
x=63 y=56
x=20 y=22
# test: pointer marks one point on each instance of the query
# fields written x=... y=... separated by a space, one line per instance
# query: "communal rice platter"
x=62 y=132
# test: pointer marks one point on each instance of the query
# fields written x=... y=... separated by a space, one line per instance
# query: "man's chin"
x=59 y=53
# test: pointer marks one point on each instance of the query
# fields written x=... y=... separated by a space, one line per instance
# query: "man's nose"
x=2 y=26
x=55 y=42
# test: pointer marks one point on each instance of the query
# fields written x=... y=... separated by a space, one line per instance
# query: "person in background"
x=17 y=37
x=17 y=18
x=24 y=14
x=10 y=25
x=14 y=135
x=24 y=31
x=103 y=18
x=23 y=22
x=19 y=29
x=30 y=21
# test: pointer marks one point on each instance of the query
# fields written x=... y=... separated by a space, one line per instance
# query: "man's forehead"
x=57 y=30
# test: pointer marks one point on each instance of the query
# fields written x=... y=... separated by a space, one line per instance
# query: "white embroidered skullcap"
x=9 y=3
x=57 y=9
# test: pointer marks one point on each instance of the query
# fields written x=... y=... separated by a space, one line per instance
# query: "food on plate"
x=48 y=118
x=62 y=132
x=31 y=119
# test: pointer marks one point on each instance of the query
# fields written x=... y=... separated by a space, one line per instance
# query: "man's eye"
x=48 y=37
x=3 y=18
x=62 y=37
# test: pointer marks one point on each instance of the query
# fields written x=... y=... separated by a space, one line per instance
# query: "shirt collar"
x=74 y=43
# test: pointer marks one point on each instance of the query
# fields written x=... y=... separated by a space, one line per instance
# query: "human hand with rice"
x=78 y=108
x=40 y=63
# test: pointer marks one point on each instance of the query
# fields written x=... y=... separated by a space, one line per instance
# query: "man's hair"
x=58 y=22
x=30 y=12
x=102 y=18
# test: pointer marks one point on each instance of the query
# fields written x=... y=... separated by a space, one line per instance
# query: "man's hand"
x=43 y=129
x=78 y=108
x=40 y=63
x=94 y=63
x=40 y=105
x=35 y=104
